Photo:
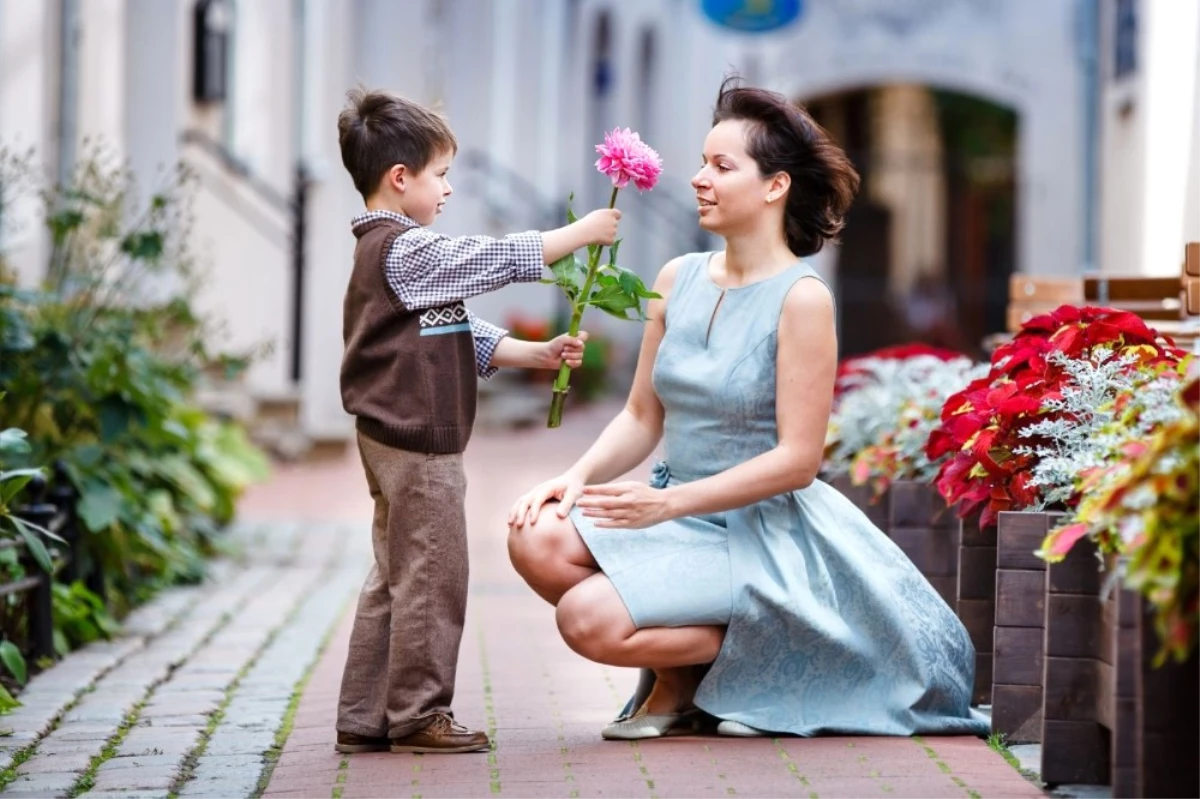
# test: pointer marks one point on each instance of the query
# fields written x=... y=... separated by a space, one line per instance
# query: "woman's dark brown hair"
x=782 y=137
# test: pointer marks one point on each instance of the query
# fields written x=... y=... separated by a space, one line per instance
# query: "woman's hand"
x=566 y=488
x=626 y=505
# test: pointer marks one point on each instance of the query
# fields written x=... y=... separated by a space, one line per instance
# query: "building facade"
x=1090 y=110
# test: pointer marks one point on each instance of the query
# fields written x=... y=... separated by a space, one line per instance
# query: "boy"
x=412 y=356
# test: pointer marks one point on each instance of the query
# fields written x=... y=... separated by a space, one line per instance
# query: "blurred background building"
x=1048 y=137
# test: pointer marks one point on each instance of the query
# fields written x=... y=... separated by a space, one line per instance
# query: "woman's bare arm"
x=634 y=433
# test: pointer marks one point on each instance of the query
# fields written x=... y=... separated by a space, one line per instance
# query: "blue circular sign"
x=752 y=16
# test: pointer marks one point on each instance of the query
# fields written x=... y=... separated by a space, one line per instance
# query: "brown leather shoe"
x=350 y=744
x=444 y=735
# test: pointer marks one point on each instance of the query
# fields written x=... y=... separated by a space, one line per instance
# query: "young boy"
x=412 y=356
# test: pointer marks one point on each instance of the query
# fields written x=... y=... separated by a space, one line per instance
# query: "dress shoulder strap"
x=691 y=271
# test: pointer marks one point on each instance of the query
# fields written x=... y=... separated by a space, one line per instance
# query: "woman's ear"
x=778 y=187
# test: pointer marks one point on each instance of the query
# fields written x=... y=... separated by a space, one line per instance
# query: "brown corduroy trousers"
x=404 y=646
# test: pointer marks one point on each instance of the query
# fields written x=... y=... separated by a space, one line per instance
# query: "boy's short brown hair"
x=378 y=130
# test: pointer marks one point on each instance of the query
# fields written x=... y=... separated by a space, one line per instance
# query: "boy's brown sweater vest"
x=408 y=376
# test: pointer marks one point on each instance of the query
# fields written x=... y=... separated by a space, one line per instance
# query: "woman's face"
x=730 y=192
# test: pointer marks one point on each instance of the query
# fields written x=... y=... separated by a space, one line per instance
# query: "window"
x=1125 y=39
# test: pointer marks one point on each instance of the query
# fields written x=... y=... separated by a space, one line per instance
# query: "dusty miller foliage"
x=1081 y=432
x=899 y=400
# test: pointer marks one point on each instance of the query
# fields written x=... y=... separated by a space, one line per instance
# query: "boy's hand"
x=564 y=349
x=601 y=226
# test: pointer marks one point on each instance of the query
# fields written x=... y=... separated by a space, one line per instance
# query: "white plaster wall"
x=1150 y=172
x=243 y=239
x=102 y=74
x=1169 y=93
x=333 y=201
x=1191 y=215
x=28 y=69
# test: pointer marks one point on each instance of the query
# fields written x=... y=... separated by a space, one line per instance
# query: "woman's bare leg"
x=552 y=558
x=594 y=622
x=550 y=555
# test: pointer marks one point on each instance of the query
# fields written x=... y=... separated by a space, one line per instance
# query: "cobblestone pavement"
x=190 y=699
x=222 y=690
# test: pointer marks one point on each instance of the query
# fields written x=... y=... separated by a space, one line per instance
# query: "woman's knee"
x=538 y=546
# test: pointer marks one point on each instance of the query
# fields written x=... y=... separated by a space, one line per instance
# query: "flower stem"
x=562 y=382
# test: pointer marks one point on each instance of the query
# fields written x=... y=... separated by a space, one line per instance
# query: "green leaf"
x=613 y=301
x=566 y=273
x=7 y=701
x=632 y=284
x=116 y=417
x=14 y=441
x=34 y=542
x=143 y=246
x=63 y=223
x=99 y=506
x=13 y=482
x=571 y=218
x=14 y=661
x=612 y=253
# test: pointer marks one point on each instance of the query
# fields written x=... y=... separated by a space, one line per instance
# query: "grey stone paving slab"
x=149 y=778
x=257 y=708
x=77 y=762
x=174 y=663
x=108 y=704
x=49 y=783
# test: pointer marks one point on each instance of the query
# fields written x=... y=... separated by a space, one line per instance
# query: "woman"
x=735 y=555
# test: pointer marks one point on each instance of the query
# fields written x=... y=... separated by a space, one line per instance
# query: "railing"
x=52 y=507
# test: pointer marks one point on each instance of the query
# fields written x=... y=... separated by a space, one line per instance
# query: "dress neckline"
x=708 y=276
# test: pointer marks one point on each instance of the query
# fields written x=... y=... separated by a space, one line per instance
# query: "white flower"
x=1083 y=434
x=897 y=400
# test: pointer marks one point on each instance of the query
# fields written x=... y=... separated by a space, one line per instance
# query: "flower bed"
x=100 y=379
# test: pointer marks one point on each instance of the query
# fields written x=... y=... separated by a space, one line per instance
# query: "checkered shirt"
x=429 y=270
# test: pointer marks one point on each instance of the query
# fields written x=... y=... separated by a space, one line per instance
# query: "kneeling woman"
x=741 y=584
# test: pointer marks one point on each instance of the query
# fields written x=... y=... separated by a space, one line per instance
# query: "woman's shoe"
x=737 y=729
x=648 y=725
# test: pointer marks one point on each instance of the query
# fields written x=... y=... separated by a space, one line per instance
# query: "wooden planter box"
x=1078 y=675
x=876 y=510
x=927 y=532
x=1125 y=740
x=1017 y=650
x=977 y=599
x=1158 y=733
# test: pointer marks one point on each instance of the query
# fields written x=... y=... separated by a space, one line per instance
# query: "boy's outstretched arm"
x=494 y=348
x=540 y=354
x=429 y=270
x=598 y=227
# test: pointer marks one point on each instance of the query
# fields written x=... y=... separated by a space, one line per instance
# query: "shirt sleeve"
x=428 y=270
x=487 y=337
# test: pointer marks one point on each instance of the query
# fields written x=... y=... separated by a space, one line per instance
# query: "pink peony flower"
x=625 y=157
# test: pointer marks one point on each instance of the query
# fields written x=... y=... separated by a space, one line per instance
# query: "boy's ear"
x=397 y=177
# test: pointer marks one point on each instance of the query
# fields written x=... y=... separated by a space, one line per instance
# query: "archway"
x=931 y=241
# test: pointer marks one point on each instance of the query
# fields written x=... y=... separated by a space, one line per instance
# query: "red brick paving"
x=544 y=705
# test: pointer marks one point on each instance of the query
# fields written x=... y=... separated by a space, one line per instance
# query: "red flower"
x=898 y=352
x=981 y=424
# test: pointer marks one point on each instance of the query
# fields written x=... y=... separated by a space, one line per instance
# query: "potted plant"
x=1002 y=456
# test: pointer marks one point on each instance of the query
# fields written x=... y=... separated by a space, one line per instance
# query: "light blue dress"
x=831 y=629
